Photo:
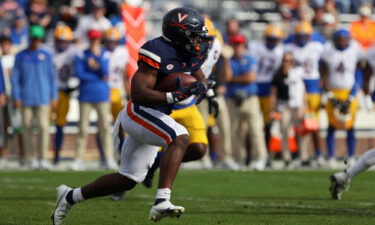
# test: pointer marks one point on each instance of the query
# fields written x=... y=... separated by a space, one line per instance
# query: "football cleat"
x=119 y=196
x=339 y=183
x=62 y=205
x=165 y=209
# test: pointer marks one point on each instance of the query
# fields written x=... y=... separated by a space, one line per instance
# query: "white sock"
x=163 y=193
x=77 y=195
x=364 y=162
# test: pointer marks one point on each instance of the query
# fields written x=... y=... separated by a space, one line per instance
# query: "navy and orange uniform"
x=160 y=54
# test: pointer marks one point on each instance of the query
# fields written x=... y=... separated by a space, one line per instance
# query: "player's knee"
x=199 y=150
x=126 y=182
x=182 y=140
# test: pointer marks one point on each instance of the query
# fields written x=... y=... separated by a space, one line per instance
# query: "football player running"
x=187 y=113
x=341 y=79
x=307 y=54
x=182 y=48
x=268 y=54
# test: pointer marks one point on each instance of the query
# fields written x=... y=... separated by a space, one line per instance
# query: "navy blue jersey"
x=161 y=55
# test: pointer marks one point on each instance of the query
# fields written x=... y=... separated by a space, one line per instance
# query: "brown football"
x=169 y=82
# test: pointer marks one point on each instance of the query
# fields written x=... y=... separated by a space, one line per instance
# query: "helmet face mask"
x=185 y=29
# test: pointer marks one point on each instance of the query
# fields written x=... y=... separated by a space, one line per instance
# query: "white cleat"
x=45 y=165
x=260 y=165
x=165 y=209
x=339 y=183
x=62 y=206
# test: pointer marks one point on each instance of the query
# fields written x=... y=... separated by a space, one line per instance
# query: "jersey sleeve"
x=150 y=55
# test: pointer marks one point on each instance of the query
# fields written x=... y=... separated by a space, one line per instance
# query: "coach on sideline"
x=34 y=90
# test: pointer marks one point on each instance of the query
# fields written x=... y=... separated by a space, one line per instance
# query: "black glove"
x=181 y=93
x=335 y=102
x=213 y=106
x=200 y=91
x=344 y=108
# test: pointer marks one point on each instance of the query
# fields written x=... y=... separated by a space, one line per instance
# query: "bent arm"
x=142 y=84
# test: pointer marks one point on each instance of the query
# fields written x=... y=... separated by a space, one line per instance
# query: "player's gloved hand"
x=213 y=105
x=344 y=109
x=181 y=93
x=200 y=91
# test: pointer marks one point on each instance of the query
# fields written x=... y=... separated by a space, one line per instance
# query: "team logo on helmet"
x=181 y=17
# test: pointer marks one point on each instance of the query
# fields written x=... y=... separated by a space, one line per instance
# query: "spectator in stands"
x=37 y=13
x=363 y=30
x=9 y=9
x=63 y=58
x=95 y=20
x=327 y=25
x=288 y=96
x=92 y=68
x=232 y=27
x=239 y=74
x=18 y=32
x=34 y=90
x=12 y=118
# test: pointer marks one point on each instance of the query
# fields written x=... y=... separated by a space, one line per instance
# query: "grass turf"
x=209 y=197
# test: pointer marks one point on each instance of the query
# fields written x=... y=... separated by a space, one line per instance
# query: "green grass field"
x=209 y=197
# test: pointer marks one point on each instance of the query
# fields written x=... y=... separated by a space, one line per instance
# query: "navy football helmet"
x=185 y=29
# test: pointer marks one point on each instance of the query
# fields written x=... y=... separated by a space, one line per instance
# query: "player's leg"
x=61 y=113
x=192 y=120
x=340 y=181
x=27 y=119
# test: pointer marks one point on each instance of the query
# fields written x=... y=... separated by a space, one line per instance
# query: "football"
x=169 y=82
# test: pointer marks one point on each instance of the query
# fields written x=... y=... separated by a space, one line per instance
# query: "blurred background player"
x=307 y=54
x=340 y=181
x=342 y=78
x=268 y=54
x=288 y=100
x=363 y=30
x=239 y=73
x=34 y=70
x=64 y=54
x=92 y=69
x=117 y=79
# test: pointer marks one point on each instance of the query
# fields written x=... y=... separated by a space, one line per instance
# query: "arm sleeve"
x=16 y=80
x=358 y=82
x=252 y=65
x=80 y=70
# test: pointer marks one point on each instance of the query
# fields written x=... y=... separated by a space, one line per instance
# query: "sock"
x=74 y=196
x=318 y=153
x=364 y=162
x=351 y=142
x=59 y=137
x=162 y=194
x=331 y=142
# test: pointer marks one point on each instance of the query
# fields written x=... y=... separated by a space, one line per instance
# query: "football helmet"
x=64 y=33
x=185 y=29
x=341 y=39
x=303 y=31
x=112 y=34
x=272 y=35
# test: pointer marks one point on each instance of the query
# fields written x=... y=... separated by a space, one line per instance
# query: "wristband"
x=169 y=96
x=210 y=93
